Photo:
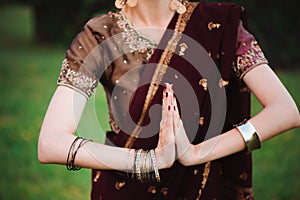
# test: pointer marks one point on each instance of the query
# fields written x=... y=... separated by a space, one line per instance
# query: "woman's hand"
x=185 y=150
x=165 y=150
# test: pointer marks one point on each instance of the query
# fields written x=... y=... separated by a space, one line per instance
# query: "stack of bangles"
x=145 y=168
x=70 y=164
x=249 y=134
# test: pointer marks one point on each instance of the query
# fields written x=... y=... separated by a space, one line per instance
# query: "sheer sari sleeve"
x=248 y=53
x=83 y=62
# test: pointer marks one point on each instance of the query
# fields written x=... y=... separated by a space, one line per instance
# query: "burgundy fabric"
x=182 y=181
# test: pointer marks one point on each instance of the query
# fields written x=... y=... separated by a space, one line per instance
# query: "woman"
x=122 y=50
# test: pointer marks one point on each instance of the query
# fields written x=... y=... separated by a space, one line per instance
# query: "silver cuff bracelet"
x=248 y=132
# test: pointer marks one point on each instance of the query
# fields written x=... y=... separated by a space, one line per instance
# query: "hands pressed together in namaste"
x=173 y=141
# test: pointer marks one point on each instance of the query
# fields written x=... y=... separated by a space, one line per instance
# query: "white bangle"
x=249 y=133
x=138 y=165
x=156 y=172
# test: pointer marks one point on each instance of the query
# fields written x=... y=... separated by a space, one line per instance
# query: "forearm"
x=91 y=155
x=57 y=136
x=231 y=142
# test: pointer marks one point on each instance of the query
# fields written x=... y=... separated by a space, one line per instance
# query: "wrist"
x=131 y=160
x=188 y=155
x=159 y=160
x=162 y=163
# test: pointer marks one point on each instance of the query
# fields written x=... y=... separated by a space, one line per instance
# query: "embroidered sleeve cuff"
x=250 y=59
x=77 y=80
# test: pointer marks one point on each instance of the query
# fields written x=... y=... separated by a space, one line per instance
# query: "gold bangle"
x=249 y=134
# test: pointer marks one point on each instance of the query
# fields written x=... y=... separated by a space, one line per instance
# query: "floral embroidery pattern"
x=76 y=79
x=134 y=39
x=247 y=61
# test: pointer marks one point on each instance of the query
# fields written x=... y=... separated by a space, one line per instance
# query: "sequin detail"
x=247 y=61
x=76 y=80
x=238 y=192
x=133 y=38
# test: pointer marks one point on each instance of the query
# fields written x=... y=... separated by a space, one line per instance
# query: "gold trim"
x=73 y=88
x=248 y=60
x=76 y=79
x=205 y=175
x=162 y=69
x=252 y=67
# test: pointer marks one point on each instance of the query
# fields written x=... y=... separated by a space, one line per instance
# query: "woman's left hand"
x=185 y=150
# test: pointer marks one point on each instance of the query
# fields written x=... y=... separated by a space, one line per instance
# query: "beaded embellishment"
x=133 y=38
x=76 y=80
x=247 y=61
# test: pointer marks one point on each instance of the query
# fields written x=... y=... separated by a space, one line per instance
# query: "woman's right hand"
x=165 y=150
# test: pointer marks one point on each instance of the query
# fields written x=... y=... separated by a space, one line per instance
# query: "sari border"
x=162 y=69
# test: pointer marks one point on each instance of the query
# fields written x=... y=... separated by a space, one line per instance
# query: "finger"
x=176 y=110
x=166 y=128
x=164 y=108
x=167 y=101
x=168 y=120
x=170 y=107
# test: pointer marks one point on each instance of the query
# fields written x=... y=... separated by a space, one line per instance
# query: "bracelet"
x=249 y=134
x=148 y=167
x=157 y=177
x=70 y=163
x=138 y=165
x=144 y=166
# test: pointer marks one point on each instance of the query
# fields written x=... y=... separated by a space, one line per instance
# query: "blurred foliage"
x=275 y=25
x=57 y=21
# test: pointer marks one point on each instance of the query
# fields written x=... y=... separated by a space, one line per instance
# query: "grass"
x=276 y=165
x=27 y=80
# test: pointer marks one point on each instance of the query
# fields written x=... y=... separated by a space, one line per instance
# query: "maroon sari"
x=181 y=182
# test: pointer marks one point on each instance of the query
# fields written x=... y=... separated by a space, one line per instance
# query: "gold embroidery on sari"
x=205 y=175
x=183 y=48
x=212 y=25
x=152 y=189
x=203 y=83
x=223 y=83
x=164 y=191
x=161 y=69
x=77 y=80
x=98 y=175
x=120 y=185
x=238 y=192
x=133 y=38
x=247 y=61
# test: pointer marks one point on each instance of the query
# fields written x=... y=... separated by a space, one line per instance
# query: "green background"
x=28 y=73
